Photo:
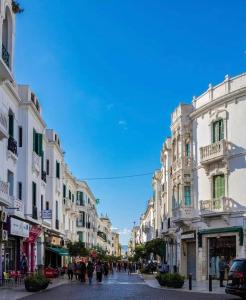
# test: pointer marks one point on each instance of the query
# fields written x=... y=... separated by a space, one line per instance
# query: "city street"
x=116 y=287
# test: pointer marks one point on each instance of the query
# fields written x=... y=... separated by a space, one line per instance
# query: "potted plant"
x=173 y=280
x=35 y=283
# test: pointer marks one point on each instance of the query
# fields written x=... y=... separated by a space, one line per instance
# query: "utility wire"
x=107 y=178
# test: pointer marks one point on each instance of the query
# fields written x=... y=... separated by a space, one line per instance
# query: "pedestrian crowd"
x=83 y=270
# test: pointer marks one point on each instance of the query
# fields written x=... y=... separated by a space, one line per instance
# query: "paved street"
x=116 y=287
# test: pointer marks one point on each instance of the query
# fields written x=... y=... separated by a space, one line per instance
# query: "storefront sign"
x=47 y=214
x=33 y=234
x=19 y=228
x=188 y=236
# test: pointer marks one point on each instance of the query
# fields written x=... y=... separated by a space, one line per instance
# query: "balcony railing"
x=36 y=162
x=223 y=204
x=67 y=203
x=213 y=152
x=4 y=192
x=3 y=125
x=12 y=145
x=182 y=212
x=80 y=223
x=17 y=207
x=5 y=56
x=43 y=176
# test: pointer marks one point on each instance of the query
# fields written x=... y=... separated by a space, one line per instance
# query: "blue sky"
x=109 y=73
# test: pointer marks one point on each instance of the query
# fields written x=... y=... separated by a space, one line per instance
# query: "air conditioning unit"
x=3 y=216
x=3 y=235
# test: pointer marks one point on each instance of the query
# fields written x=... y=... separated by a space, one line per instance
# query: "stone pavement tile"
x=15 y=293
x=197 y=286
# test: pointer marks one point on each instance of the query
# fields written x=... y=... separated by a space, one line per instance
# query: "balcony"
x=74 y=209
x=3 y=125
x=183 y=213
x=43 y=176
x=213 y=152
x=58 y=185
x=36 y=162
x=219 y=205
x=146 y=228
x=80 y=223
x=5 y=72
x=4 y=193
x=176 y=165
x=17 y=207
x=12 y=146
x=67 y=203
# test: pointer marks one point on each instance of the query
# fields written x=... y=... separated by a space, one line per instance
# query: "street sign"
x=47 y=214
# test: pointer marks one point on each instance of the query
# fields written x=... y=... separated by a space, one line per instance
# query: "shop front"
x=188 y=253
x=215 y=244
x=17 y=231
x=29 y=247
x=55 y=253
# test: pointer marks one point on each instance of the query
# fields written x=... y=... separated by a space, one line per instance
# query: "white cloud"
x=123 y=124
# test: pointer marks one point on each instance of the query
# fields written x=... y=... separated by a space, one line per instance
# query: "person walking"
x=82 y=271
x=70 y=271
x=222 y=267
x=99 y=271
x=90 y=270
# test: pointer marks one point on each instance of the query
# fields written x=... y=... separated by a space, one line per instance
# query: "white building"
x=201 y=213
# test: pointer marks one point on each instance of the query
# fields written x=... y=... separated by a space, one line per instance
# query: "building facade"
x=43 y=207
x=200 y=209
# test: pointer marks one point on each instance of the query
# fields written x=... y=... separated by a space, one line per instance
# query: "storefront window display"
x=218 y=247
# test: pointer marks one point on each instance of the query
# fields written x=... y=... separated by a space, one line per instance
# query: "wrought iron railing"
x=5 y=56
x=12 y=145
x=43 y=176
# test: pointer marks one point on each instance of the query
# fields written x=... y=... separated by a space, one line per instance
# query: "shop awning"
x=221 y=230
x=59 y=251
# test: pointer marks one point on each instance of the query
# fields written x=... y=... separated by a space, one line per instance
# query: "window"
x=47 y=205
x=80 y=198
x=20 y=190
x=37 y=143
x=34 y=194
x=73 y=198
x=57 y=169
x=187 y=195
x=56 y=210
x=218 y=131
x=11 y=124
x=187 y=149
x=218 y=186
x=47 y=167
x=11 y=183
x=20 y=136
x=42 y=202
x=64 y=191
x=81 y=236
x=69 y=195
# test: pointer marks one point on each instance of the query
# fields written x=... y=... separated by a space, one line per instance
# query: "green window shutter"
x=34 y=140
x=40 y=144
x=218 y=186
x=57 y=169
x=187 y=192
x=36 y=143
x=218 y=131
x=221 y=135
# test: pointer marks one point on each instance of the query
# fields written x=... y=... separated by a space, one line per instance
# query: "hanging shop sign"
x=186 y=236
x=19 y=228
x=47 y=214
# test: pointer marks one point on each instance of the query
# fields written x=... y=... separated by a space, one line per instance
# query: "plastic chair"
x=7 y=279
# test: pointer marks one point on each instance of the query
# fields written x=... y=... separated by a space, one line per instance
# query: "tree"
x=157 y=247
x=139 y=252
x=77 y=249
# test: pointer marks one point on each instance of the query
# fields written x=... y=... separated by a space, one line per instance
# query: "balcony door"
x=218 y=131
x=218 y=186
